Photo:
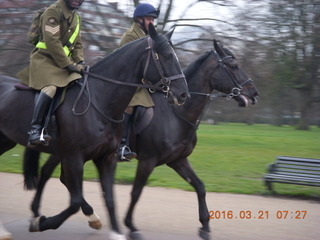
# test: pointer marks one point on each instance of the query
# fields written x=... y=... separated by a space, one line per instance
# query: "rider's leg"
x=40 y=112
x=124 y=152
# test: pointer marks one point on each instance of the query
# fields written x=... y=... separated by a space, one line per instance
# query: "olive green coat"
x=142 y=96
x=46 y=67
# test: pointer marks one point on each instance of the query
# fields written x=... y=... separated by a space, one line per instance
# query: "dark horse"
x=95 y=134
x=171 y=136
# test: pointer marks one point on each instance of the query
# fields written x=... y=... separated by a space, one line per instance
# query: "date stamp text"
x=248 y=214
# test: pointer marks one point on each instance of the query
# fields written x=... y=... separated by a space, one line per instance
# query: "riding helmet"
x=145 y=10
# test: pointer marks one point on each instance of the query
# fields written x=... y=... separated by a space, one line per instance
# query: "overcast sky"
x=201 y=9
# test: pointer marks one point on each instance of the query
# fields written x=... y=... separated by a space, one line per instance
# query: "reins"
x=163 y=85
x=84 y=86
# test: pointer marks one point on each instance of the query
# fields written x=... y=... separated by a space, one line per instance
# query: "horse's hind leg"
x=144 y=170
x=184 y=169
x=5 y=144
x=106 y=166
x=73 y=172
x=46 y=173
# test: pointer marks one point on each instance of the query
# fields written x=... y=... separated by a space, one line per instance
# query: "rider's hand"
x=78 y=68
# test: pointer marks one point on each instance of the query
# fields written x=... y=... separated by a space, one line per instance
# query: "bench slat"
x=296 y=178
x=299 y=164
x=294 y=170
x=302 y=174
x=297 y=183
x=311 y=160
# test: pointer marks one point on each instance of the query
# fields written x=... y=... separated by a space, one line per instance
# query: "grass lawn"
x=229 y=157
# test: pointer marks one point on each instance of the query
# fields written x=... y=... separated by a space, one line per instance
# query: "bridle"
x=164 y=82
x=162 y=85
x=235 y=91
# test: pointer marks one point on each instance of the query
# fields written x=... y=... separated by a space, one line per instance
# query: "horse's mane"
x=115 y=54
x=193 y=67
x=159 y=42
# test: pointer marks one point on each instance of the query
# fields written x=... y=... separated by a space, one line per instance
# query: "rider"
x=143 y=15
x=56 y=61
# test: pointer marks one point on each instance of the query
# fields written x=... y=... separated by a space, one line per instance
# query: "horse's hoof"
x=136 y=236
x=204 y=234
x=4 y=234
x=94 y=221
x=116 y=236
x=95 y=224
x=6 y=237
x=35 y=224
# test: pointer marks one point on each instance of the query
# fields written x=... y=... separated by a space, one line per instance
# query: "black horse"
x=171 y=135
x=94 y=133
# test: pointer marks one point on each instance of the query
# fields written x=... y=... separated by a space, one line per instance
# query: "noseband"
x=164 y=82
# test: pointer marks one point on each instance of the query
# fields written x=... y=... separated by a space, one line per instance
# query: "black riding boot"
x=124 y=152
x=40 y=111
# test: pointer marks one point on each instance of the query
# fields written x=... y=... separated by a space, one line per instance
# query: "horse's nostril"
x=184 y=96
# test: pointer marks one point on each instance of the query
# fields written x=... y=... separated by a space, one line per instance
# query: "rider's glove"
x=78 y=68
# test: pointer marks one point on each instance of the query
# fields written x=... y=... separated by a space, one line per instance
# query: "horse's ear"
x=152 y=31
x=218 y=48
x=169 y=34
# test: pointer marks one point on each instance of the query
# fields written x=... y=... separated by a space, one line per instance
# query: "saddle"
x=57 y=100
x=141 y=118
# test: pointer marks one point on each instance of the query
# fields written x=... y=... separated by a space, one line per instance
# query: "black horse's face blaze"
x=241 y=87
x=170 y=73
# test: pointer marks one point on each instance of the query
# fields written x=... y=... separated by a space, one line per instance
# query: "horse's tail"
x=30 y=168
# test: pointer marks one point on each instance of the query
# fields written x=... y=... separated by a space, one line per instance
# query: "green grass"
x=229 y=157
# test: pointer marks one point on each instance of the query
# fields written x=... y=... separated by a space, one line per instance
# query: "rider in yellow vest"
x=143 y=15
x=56 y=61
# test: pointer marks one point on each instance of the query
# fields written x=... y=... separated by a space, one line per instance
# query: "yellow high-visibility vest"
x=70 y=42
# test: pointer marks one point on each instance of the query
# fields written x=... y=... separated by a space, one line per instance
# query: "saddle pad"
x=21 y=86
x=142 y=118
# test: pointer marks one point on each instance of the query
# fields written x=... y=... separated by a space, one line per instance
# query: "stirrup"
x=44 y=138
x=125 y=154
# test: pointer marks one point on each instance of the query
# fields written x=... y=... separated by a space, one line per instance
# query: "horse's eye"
x=168 y=56
x=233 y=63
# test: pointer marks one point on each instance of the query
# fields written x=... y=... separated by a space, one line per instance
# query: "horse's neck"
x=114 y=98
x=192 y=110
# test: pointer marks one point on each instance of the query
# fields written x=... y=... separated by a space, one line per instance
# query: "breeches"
x=49 y=90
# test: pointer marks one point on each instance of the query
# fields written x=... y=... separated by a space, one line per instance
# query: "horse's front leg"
x=93 y=218
x=144 y=169
x=184 y=169
x=72 y=171
x=106 y=165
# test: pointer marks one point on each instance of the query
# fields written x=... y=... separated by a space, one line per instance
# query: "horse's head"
x=163 y=68
x=237 y=84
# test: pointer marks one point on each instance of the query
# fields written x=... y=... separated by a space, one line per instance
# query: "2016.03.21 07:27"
x=248 y=214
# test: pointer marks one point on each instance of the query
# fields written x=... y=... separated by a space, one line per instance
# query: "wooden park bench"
x=293 y=170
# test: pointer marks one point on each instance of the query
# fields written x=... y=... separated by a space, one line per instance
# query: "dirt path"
x=163 y=214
